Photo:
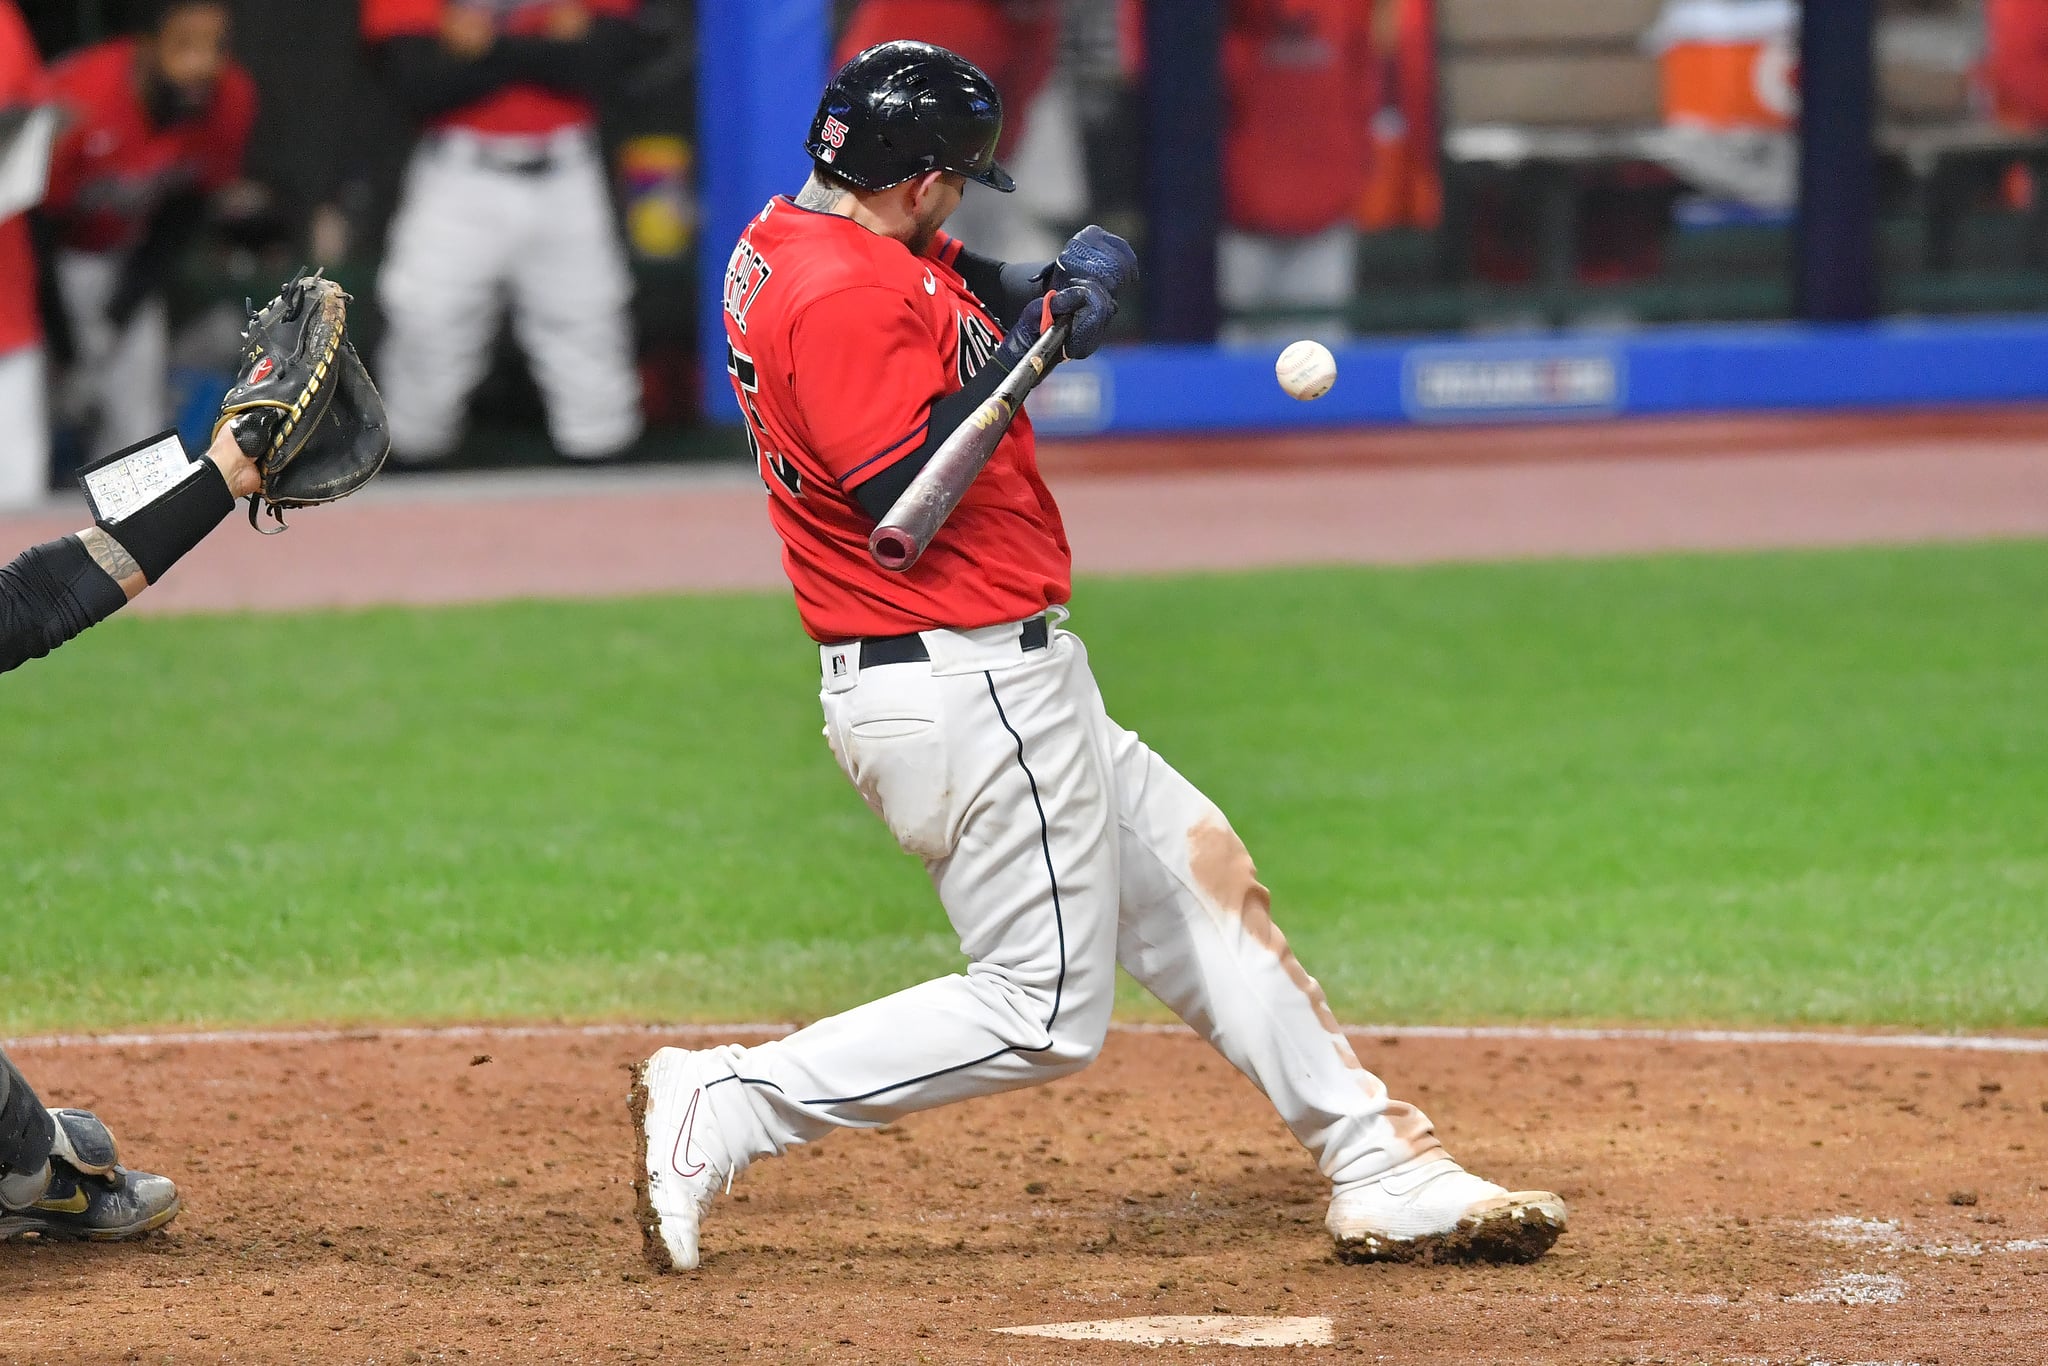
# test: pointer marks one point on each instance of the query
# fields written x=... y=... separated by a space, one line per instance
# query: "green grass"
x=1803 y=788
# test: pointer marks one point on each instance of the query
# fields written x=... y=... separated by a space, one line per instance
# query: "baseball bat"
x=923 y=508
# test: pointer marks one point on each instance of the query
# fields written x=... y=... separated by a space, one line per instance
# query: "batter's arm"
x=880 y=492
x=1004 y=287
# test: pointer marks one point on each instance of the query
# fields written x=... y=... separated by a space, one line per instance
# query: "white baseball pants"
x=121 y=375
x=1256 y=270
x=471 y=233
x=1061 y=847
x=24 y=429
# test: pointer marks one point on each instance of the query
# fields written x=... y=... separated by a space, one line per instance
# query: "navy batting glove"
x=1097 y=254
x=1087 y=303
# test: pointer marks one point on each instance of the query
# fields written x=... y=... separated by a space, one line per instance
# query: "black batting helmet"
x=902 y=108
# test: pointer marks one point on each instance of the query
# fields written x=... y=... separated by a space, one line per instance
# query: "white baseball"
x=1306 y=369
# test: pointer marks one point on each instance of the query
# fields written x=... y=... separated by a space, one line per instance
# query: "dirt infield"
x=1141 y=507
x=468 y=1199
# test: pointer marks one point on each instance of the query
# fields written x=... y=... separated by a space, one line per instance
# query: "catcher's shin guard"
x=28 y=1135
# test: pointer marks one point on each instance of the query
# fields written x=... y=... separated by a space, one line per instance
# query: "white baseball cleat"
x=682 y=1161
x=1436 y=1211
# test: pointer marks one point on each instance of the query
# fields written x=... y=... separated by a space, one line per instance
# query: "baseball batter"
x=966 y=715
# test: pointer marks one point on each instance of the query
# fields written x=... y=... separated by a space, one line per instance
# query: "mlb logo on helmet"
x=833 y=132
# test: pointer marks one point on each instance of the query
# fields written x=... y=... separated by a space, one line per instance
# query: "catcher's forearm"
x=52 y=592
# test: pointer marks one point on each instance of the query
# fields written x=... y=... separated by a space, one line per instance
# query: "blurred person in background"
x=2016 y=61
x=1017 y=42
x=1403 y=183
x=157 y=124
x=24 y=411
x=506 y=196
x=1300 y=93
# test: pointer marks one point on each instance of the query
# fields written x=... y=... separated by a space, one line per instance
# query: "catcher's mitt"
x=302 y=407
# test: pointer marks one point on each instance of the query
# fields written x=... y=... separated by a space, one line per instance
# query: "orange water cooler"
x=1729 y=64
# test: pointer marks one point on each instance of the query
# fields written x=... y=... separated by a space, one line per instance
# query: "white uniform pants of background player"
x=1316 y=275
x=484 y=221
x=118 y=386
x=1061 y=847
x=24 y=429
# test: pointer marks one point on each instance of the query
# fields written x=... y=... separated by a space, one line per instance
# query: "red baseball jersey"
x=113 y=168
x=840 y=341
x=21 y=83
x=519 y=110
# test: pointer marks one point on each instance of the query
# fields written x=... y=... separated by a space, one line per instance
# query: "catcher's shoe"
x=1436 y=1211
x=683 y=1162
x=103 y=1209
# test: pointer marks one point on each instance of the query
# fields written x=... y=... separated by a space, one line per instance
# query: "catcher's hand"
x=302 y=406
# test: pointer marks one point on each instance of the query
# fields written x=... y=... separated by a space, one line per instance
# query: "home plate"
x=1215 y=1330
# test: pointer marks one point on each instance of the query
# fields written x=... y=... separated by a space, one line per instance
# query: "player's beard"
x=926 y=228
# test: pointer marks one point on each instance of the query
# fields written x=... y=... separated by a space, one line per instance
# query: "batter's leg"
x=572 y=311
x=1197 y=931
x=999 y=781
x=441 y=290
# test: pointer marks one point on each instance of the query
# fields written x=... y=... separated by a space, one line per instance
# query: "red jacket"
x=1299 y=86
x=21 y=82
x=114 y=168
x=2017 y=64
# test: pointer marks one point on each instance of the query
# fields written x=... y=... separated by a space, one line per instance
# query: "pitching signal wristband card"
x=132 y=479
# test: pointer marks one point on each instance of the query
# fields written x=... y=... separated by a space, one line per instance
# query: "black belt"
x=876 y=651
x=538 y=164
x=519 y=161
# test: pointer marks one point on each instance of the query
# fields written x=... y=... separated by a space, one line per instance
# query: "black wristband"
x=1004 y=288
x=160 y=534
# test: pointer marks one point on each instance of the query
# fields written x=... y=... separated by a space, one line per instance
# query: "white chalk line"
x=1889 y=1236
x=1734 y=1038
x=1218 y=1330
